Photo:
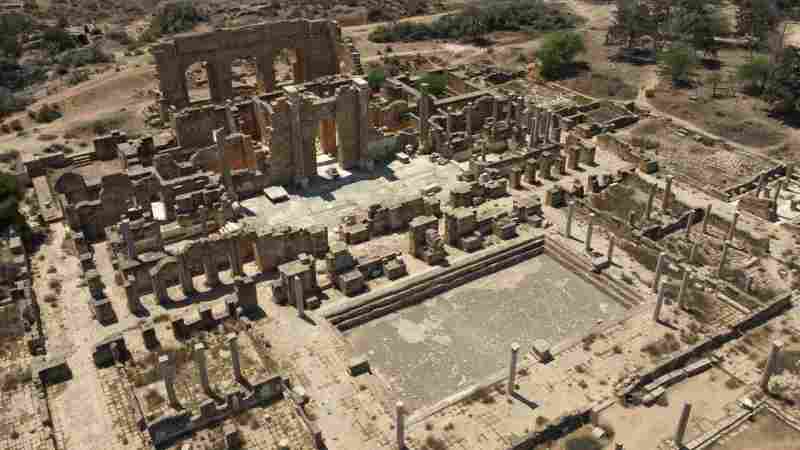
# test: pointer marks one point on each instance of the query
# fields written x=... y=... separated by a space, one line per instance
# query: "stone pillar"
x=512 y=369
x=778 y=189
x=684 y=288
x=667 y=194
x=400 y=425
x=689 y=223
x=210 y=267
x=589 y=230
x=233 y=347
x=530 y=171
x=683 y=423
x=265 y=72
x=202 y=370
x=706 y=218
x=723 y=259
x=220 y=80
x=570 y=215
x=732 y=229
x=327 y=136
x=159 y=289
x=610 y=254
x=168 y=375
x=572 y=158
x=555 y=135
x=185 y=274
x=130 y=243
x=659 y=301
x=221 y=137
x=132 y=295
x=762 y=182
x=299 y=297
x=693 y=253
x=660 y=265
x=235 y=257
x=772 y=362
x=650 y=198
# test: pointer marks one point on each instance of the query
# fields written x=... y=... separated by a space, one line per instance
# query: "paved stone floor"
x=452 y=341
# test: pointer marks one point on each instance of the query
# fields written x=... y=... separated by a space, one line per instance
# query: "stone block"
x=358 y=365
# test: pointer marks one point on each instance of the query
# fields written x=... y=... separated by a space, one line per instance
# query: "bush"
x=488 y=16
x=80 y=57
x=433 y=83
x=120 y=36
x=557 y=54
x=57 y=40
x=15 y=76
x=376 y=78
x=77 y=77
x=46 y=114
x=174 y=17
x=11 y=27
x=678 y=63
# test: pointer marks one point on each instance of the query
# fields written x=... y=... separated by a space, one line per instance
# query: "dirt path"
x=79 y=415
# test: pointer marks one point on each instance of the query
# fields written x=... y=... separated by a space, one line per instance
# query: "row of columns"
x=589 y=232
x=168 y=370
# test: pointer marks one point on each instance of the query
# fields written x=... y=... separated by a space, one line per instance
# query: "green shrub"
x=57 y=40
x=80 y=57
x=174 y=17
x=433 y=83
x=557 y=54
x=376 y=78
x=487 y=16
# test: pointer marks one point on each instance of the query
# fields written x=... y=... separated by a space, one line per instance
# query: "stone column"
x=660 y=265
x=732 y=229
x=693 y=253
x=185 y=274
x=400 y=425
x=689 y=223
x=235 y=257
x=610 y=254
x=684 y=287
x=265 y=72
x=132 y=295
x=667 y=194
x=210 y=267
x=233 y=347
x=683 y=423
x=130 y=243
x=772 y=362
x=202 y=370
x=588 y=243
x=570 y=215
x=159 y=289
x=706 y=218
x=168 y=375
x=650 y=198
x=762 y=182
x=512 y=369
x=327 y=136
x=659 y=301
x=778 y=189
x=723 y=259
x=299 y=297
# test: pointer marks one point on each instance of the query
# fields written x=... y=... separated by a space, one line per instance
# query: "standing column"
x=772 y=362
x=400 y=411
x=650 y=198
x=130 y=244
x=589 y=233
x=680 y=432
x=235 y=257
x=659 y=302
x=667 y=194
x=684 y=288
x=732 y=229
x=693 y=253
x=689 y=223
x=512 y=369
x=723 y=259
x=233 y=347
x=168 y=374
x=185 y=274
x=202 y=370
x=210 y=267
x=570 y=215
x=299 y=297
x=706 y=218
x=662 y=261
x=778 y=189
x=610 y=254
x=762 y=182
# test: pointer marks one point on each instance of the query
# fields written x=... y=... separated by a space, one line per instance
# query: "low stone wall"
x=554 y=430
x=757 y=318
x=421 y=287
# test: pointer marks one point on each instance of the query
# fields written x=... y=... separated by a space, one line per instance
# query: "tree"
x=557 y=53
x=678 y=63
x=376 y=77
x=783 y=88
x=699 y=25
x=632 y=19
x=756 y=19
x=756 y=73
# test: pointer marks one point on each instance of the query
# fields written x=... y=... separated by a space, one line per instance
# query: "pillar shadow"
x=529 y=403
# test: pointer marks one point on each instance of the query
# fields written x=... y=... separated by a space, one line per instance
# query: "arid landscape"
x=483 y=224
